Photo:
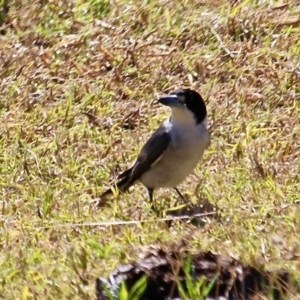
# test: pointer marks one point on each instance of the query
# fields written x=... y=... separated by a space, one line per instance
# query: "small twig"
x=132 y=222
x=221 y=42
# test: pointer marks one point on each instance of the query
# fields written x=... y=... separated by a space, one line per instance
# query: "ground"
x=78 y=90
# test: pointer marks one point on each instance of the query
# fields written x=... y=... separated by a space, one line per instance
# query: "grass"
x=78 y=90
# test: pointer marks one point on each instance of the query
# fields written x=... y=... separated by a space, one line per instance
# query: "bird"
x=174 y=149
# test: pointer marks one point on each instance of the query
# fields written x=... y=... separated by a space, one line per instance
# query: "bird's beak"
x=170 y=100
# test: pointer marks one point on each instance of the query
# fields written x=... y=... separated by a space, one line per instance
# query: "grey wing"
x=149 y=155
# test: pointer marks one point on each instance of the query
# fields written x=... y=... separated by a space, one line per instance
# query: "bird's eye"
x=181 y=97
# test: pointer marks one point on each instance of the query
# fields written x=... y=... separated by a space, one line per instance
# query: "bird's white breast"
x=180 y=158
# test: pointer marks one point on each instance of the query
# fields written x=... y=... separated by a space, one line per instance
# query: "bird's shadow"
x=197 y=214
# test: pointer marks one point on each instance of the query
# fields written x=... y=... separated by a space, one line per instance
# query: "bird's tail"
x=123 y=185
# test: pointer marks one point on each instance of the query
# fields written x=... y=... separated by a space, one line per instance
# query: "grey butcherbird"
x=174 y=149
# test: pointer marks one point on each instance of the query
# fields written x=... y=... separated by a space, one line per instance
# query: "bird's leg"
x=179 y=193
x=150 y=193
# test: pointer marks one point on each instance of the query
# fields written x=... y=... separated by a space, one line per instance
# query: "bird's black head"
x=189 y=99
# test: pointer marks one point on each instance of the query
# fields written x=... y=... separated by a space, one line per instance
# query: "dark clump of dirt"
x=169 y=272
